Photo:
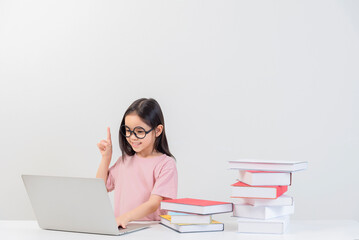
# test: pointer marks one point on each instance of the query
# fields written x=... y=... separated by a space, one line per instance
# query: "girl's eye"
x=140 y=131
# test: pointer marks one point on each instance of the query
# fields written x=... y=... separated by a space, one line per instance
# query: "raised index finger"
x=108 y=134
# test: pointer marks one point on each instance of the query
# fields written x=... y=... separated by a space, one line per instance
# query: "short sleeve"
x=110 y=183
x=166 y=180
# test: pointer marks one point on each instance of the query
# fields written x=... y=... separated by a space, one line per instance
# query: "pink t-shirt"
x=135 y=179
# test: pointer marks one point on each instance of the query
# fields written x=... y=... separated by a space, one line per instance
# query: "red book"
x=240 y=189
x=196 y=206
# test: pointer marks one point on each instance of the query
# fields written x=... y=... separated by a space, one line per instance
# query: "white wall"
x=260 y=79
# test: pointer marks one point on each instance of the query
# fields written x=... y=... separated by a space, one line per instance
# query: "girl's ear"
x=159 y=130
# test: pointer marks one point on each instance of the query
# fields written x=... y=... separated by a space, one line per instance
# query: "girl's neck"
x=149 y=155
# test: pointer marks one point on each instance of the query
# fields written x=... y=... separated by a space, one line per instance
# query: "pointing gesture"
x=108 y=135
x=105 y=146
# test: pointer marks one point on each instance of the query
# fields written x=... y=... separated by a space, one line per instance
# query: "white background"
x=257 y=79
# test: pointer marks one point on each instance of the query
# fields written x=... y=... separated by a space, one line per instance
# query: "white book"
x=177 y=217
x=283 y=200
x=268 y=165
x=261 y=212
x=197 y=206
x=265 y=178
x=182 y=228
x=272 y=226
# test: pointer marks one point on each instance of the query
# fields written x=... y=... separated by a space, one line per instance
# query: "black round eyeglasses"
x=139 y=132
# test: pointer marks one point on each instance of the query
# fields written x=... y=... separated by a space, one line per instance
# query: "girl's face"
x=143 y=147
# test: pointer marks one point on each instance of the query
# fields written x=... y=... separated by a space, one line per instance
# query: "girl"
x=146 y=172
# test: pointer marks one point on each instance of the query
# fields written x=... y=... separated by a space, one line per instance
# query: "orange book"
x=240 y=189
x=185 y=228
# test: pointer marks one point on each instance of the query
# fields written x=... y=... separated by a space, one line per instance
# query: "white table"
x=326 y=229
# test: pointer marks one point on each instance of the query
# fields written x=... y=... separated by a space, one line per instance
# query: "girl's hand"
x=122 y=221
x=105 y=146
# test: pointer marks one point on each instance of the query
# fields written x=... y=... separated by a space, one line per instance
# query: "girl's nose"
x=133 y=137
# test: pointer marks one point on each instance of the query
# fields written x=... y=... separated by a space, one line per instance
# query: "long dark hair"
x=150 y=112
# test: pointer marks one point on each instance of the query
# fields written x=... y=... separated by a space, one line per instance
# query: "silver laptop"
x=74 y=204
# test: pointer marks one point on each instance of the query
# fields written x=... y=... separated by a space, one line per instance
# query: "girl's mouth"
x=135 y=144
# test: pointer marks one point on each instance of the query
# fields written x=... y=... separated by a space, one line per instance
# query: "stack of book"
x=260 y=202
x=193 y=215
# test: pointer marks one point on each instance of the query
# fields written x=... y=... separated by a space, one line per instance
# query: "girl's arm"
x=102 y=171
x=141 y=211
x=105 y=147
